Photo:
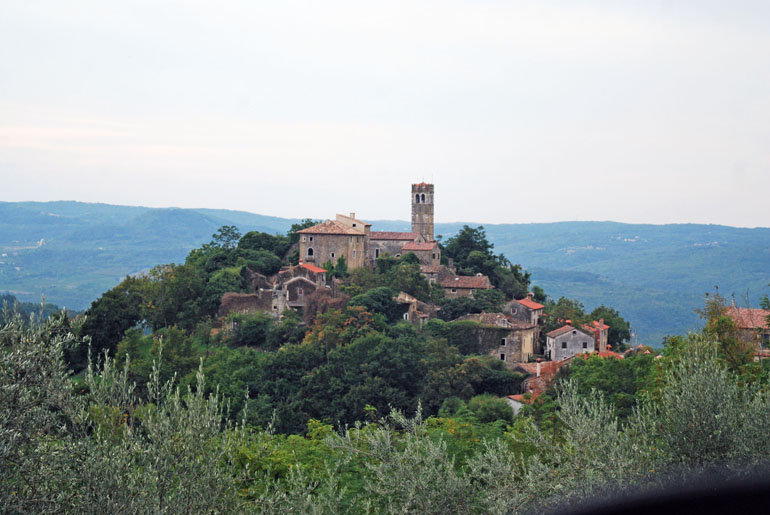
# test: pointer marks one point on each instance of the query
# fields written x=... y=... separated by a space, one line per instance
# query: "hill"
x=654 y=274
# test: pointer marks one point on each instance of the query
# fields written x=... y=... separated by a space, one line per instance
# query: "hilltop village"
x=513 y=334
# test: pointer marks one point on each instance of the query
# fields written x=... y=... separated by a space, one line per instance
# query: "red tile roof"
x=548 y=370
x=430 y=269
x=564 y=330
x=749 y=318
x=525 y=398
x=476 y=282
x=332 y=227
x=529 y=303
x=312 y=268
x=419 y=246
x=385 y=235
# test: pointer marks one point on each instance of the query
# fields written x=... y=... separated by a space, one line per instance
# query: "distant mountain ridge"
x=654 y=274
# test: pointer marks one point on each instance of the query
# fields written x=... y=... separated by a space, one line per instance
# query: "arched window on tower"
x=310 y=252
x=417 y=198
x=423 y=198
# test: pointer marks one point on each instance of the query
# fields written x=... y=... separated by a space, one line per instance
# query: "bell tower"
x=422 y=210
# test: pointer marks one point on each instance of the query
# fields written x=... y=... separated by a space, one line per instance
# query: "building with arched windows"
x=353 y=239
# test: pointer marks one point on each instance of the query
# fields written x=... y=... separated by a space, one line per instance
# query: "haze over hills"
x=655 y=275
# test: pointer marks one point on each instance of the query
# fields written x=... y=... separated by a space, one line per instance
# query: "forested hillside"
x=655 y=275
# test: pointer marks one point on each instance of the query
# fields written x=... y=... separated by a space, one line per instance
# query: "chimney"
x=538 y=366
x=352 y=215
x=568 y=322
x=530 y=295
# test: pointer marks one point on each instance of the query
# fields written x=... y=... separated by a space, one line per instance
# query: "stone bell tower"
x=422 y=210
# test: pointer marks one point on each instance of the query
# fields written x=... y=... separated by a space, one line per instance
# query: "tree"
x=226 y=237
x=379 y=300
x=256 y=240
x=109 y=317
x=620 y=330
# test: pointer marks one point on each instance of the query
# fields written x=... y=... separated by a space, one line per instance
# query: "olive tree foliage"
x=101 y=451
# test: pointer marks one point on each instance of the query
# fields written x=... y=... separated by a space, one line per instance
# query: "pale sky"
x=525 y=111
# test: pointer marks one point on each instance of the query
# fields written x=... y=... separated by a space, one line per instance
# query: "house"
x=600 y=330
x=503 y=337
x=568 y=341
x=385 y=242
x=752 y=324
x=417 y=312
x=516 y=402
x=541 y=374
x=464 y=286
x=527 y=310
x=345 y=237
x=428 y=253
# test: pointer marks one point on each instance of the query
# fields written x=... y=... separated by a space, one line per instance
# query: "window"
x=434 y=255
x=354 y=252
x=563 y=345
x=502 y=357
x=331 y=254
x=304 y=238
x=585 y=345
x=310 y=252
x=354 y=225
x=454 y=290
x=398 y=255
x=406 y=316
x=300 y=292
x=574 y=332
x=275 y=307
x=502 y=342
x=423 y=198
x=376 y=253
x=311 y=238
x=417 y=198
x=351 y=239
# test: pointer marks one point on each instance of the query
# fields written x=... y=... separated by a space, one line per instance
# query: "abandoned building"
x=288 y=289
x=510 y=340
x=600 y=330
x=752 y=323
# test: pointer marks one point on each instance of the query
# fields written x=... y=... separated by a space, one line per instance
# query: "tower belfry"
x=422 y=210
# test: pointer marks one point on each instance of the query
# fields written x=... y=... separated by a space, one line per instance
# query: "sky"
x=649 y=111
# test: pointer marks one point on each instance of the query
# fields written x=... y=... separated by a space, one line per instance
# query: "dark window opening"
x=585 y=345
x=376 y=253
x=310 y=251
x=563 y=345
x=502 y=341
x=502 y=357
x=417 y=198
x=423 y=198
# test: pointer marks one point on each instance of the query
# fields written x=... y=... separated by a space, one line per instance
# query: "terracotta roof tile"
x=419 y=246
x=748 y=318
x=565 y=329
x=430 y=269
x=332 y=227
x=386 y=235
x=476 y=282
x=312 y=268
x=529 y=303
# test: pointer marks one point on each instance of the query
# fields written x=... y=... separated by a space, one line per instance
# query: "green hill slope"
x=654 y=274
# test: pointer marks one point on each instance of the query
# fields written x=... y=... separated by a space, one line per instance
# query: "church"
x=353 y=239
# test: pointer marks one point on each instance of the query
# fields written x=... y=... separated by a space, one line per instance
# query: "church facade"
x=353 y=239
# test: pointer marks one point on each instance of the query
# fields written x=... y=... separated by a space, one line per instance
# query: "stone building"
x=288 y=289
x=527 y=310
x=385 y=242
x=428 y=253
x=600 y=330
x=752 y=323
x=352 y=238
x=512 y=341
x=422 y=210
x=568 y=341
x=463 y=285
x=328 y=241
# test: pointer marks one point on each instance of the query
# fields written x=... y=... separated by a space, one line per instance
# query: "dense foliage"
x=98 y=445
